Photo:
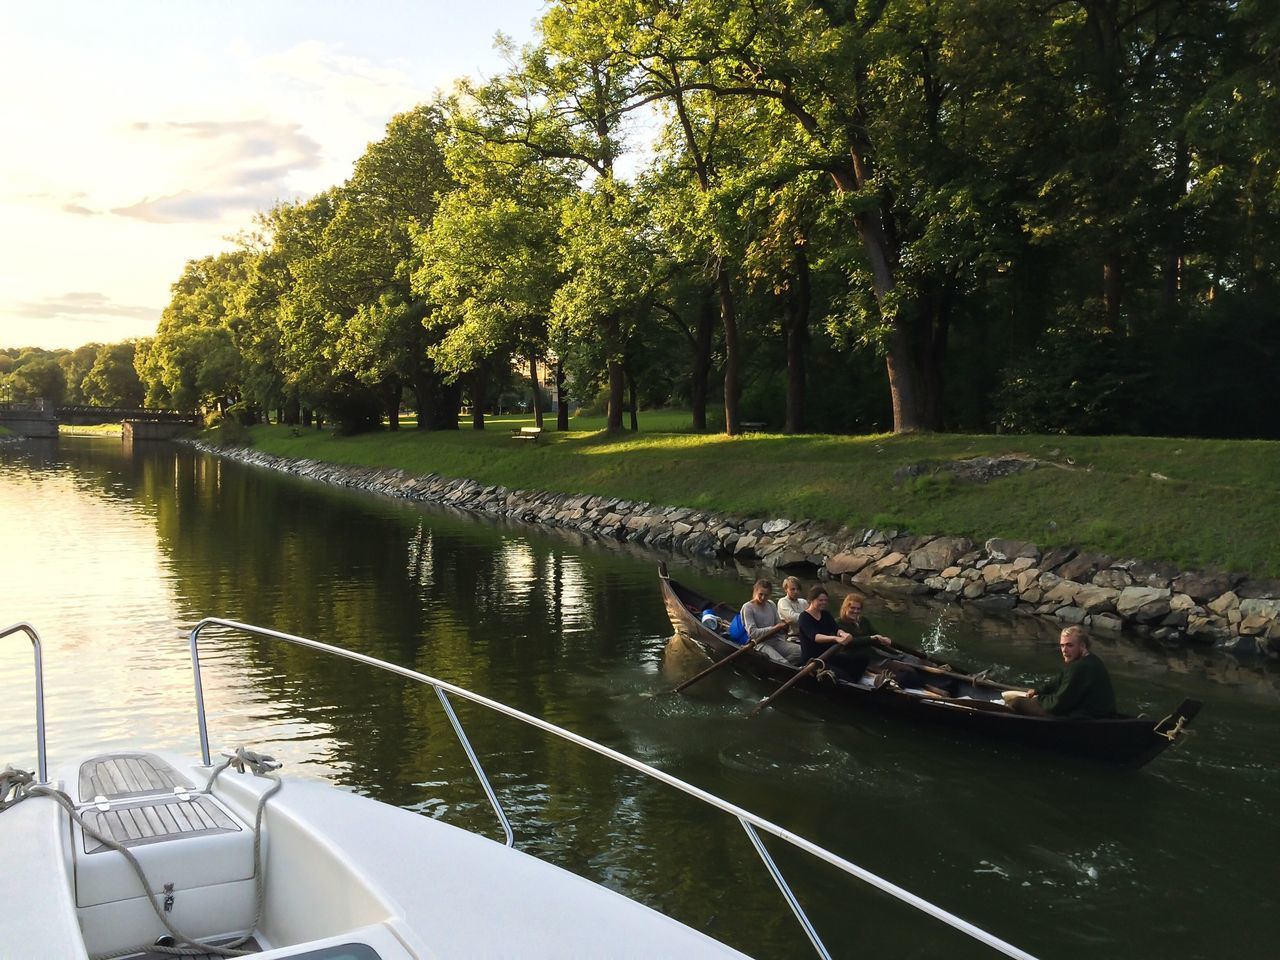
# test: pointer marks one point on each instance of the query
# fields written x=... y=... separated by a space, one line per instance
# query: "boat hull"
x=1124 y=741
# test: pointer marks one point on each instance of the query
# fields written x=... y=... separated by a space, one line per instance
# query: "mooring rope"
x=21 y=784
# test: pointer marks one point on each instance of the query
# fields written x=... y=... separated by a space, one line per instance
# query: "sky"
x=139 y=135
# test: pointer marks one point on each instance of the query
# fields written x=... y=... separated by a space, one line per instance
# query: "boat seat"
x=166 y=819
x=120 y=776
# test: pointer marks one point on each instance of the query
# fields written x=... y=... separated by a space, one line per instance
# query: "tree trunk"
x=306 y=416
x=479 y=396
x=631 y=402
x=899 y=359
x=391 y=400
x=698 y=386
x=796 y=313
x=292 y=413
x=617 y=379
x=537 y=387
x=439 y=403
x=732 y=353
x=562 y=402
x=1171 y=287
x=1112 y=289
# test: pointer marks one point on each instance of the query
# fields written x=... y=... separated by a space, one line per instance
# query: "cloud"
x=82 y=307
x=79 y=210
x=243 y=166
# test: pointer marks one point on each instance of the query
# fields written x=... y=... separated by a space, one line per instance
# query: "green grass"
x=97 y=430
x=1218 y=508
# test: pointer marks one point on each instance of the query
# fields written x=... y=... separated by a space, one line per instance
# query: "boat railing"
x=42 y=760
x=752 y=824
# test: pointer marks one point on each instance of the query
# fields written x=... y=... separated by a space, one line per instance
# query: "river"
x=111 y=550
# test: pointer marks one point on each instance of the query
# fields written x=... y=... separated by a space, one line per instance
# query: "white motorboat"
x=145 y=855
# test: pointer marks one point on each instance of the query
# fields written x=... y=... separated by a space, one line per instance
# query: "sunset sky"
x=141 y=135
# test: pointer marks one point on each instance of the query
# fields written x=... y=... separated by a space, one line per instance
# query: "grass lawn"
x=1214 y=503
x=97 y=429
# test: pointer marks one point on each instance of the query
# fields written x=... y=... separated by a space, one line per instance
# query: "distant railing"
x=750 y=822
x=105 y=414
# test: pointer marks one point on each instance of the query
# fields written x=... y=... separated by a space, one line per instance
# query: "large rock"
x=1027 y=579
x=1224 y=604
x=775 y=526
x=887 y=583
x=996 y=601
x=1065 y=592
x=1082 y=567
x=1143 y=604
x=999 y=573
x=1070 y=615
x=1097 y=599
x=1005 y=550
x=1157 y=574
x=1113 y=578
x=1258 y=589
x=1254 y=626
x=853 y=561
x=1203 y=586
x=1207 y=629
x=1106 y=623
x=1260 y=608
x=939 y=554
x=1056 y=558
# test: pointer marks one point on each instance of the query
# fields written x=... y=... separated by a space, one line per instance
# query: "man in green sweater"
x=1081 y=689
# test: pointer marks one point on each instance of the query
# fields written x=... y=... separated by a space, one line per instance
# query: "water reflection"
x=108 y=550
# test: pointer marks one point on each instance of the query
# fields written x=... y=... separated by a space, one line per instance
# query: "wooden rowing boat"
x=974 y=706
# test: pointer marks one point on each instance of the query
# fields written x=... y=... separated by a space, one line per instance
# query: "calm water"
x=110 y=551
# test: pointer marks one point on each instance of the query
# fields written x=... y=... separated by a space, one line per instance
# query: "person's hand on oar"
x=816 y=663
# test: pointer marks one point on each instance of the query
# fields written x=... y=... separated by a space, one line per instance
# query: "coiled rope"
x=21 y=784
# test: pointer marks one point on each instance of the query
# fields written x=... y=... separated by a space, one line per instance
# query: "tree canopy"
x=855 y=215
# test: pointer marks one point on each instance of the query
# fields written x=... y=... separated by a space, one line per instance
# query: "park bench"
x=526 y=433
x=752 y=425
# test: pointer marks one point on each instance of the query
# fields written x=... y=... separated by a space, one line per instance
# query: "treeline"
x=98 y=374
x=862 y=215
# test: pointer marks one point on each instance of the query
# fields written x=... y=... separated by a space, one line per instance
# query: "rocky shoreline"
x=1108 y=595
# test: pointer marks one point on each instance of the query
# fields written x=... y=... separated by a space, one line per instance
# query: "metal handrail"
x=33 y=634
x=748 y=819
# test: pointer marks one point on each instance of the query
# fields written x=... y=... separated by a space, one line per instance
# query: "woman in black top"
x=818 y=630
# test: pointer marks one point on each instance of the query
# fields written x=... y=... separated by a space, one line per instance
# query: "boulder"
x=1180 y=601
x=1245 y=645
x=1097 y=599
x=1082 y=567
x=1027 y=579
x=1143 y=604
x=955 y=585
x=905 y=544
x=745 y=547
x=973 y=589
x=939 y=554
x=1224 y=604
x=1207 y=629
x=1258 y=589
x=887 y=561
x=1048 y=581
x=1000 y=549
x=1157 y=574
x=1176 y=618
x=1023 y=563
x=1070 y=615
x=775 y=526
x=1033 y=595
x=1203 y=586
x=949 y=572
x=888 y=583
x=937 y=584
x=1113 y=578
x=1254 y=626
x=999 y=573
x=1260 y=608
x=1056 y=558
x=853 y=561
x=1065 y=592
x=791 y=560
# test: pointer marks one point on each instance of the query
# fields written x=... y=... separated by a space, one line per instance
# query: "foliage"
x=907 y=215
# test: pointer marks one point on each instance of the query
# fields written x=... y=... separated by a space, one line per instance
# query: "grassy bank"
x=1197 y=503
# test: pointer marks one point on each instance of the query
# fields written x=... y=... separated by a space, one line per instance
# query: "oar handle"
x=803 y=672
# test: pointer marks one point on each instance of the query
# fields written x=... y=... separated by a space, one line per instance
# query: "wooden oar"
x=804 y=671
x=717 y=665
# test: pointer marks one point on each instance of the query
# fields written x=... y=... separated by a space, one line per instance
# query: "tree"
x=113 y=381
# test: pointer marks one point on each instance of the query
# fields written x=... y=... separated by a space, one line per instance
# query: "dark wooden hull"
x=1127 y=741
